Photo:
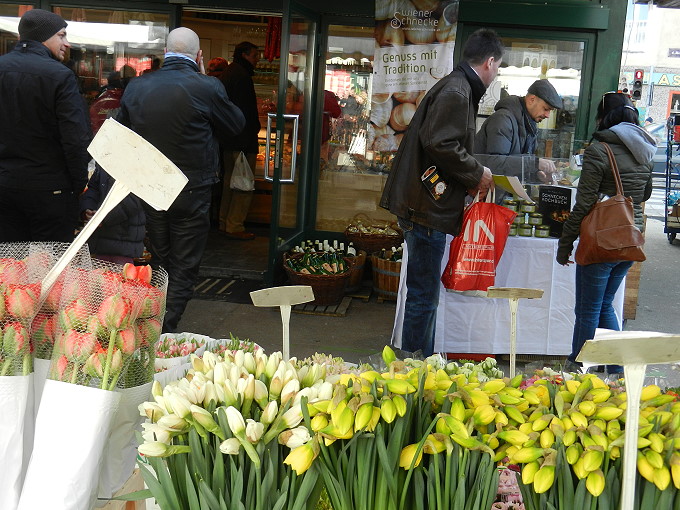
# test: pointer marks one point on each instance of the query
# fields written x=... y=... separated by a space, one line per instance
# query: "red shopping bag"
x=475 y=252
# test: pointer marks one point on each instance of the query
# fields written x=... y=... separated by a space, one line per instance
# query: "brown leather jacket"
x=441 y=133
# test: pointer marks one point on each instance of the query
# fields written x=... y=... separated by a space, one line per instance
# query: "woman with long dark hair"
x=633 y=149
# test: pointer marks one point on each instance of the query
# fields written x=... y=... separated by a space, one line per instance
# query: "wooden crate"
x=134 y=483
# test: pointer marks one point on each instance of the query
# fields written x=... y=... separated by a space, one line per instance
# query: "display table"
x=468 y=324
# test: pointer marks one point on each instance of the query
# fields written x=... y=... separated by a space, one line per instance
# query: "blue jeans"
x=423 y=279
x=596 y=286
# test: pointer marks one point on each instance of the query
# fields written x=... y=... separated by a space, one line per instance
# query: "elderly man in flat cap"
x=44 y=135
x=512 y=131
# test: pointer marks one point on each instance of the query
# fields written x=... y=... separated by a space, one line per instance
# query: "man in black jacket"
x=506 y=141
x=441 y=134
x=44 y=135
x=184 y=114
x=238 y=81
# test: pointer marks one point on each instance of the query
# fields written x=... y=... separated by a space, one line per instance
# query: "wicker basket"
x=385 y=276
x=357 y=276
x=370 y=242
x=328 y=289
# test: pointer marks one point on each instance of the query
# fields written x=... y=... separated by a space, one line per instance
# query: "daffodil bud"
x=206 y=420
x=254 y=430
x=230 y=446
x=154 y=432
x=269 y=412
x=292 y=417
x=320 y=421
x=235 y=420
x=388 y=410
x=544 y=479
x=173 y=423
x=407 y=456
x=595 y=482
x=156 y=389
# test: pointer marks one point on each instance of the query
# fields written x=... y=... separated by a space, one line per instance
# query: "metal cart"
x=672 y=197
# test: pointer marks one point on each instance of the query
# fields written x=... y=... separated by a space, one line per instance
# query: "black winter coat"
x=238 y=81
x=185 y=115
x=509 y=131
x=122 y=231
x=44 y=126
x=441 y=133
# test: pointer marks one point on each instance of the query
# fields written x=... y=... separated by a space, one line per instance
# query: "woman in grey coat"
x=633 y=148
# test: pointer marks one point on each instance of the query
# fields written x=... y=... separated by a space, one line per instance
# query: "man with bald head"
x=184 y=114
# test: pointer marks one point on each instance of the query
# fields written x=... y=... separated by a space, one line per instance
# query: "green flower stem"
x=109 y=358
x=114 y=381
x=74 y=372
x=6 y=366
x=28 y=363
x=402 y=502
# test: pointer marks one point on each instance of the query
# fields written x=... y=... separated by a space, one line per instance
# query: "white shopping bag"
x=13 y=414
x=242 y=178
x=120 y=454
x=71 y=432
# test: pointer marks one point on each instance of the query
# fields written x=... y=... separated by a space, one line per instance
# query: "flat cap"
x=545 y=90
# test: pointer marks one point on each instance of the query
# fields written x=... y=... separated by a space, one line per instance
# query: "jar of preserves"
x=542 y=231
x=519 y=219
x=511 y=204
x=525 y=230
x=513 y=230
x=527 y=207
x=535 y=219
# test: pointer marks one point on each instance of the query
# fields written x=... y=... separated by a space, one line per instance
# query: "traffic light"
x=638 y=76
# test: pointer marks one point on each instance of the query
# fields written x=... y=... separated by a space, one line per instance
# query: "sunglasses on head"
x=620 y=94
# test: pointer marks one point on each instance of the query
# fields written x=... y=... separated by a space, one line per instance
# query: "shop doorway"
x=289 y=84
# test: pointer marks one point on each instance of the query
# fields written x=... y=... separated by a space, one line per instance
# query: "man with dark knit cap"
x=506 y=142
x=44 y=135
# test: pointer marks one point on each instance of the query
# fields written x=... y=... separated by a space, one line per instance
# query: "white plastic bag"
x=71 y=432
x=242 y=178
x=14 y=417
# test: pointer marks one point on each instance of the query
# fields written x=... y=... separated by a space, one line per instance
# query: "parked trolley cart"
x=672 y=226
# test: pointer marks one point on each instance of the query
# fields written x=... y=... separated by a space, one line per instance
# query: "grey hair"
x=184 y=41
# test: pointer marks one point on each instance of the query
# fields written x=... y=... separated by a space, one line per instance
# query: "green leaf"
x=135 y=496
x=164 y=479
x=208 y=496
x=157 y=490
x=192 y=496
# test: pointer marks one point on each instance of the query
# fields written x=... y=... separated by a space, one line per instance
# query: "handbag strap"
x=615 y=169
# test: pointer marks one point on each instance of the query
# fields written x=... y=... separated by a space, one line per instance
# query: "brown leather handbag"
x=608 y=232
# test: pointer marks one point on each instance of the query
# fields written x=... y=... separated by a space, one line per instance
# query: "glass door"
x=289 y=133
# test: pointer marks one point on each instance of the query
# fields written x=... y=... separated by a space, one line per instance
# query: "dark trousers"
x=177 y=238
x=36 y=215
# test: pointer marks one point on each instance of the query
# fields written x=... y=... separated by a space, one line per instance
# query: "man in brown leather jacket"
x=440 y=134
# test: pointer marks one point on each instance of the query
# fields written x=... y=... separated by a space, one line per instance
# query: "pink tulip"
x=126 y=341
x=141 y=273
x=22 y=300
x=75 y=315
x=111 y=282
x=13 y=271
x=43 y=329
x=54 y=295
x=94 y=366
x=149 y=331
x=94 y=326
x=76 y=345
x=3 y=308
x=15 y=339
x=76 y=285
x=62 y=365
x=115 y=312
x=152 y=303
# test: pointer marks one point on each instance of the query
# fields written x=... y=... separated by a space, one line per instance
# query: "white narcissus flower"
x=179 y=404
x=289 y=390
x=173 y=423
x=230 y=446
x=206 y=420
x=292 y=417
x=210 y=394
x=154 y=432
x=249 y=389
x=152 y=411
x=260 y=365
x=156 y=389
x=235 y=420
x=153 y=449
x=269 y=412
x=272 y=363
x=293 y=438
x=220 y=373
x=325 y=391
x=239 y=358
x=254 y=430
x=197 y=363
x=210 y=359
x=249 y=362
x=261 y=395
x=230 y=393
x=310 y=393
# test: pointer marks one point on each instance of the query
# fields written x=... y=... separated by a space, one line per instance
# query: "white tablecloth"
x=480 y=325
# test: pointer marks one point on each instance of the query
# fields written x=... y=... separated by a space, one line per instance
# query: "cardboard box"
x=555 y=203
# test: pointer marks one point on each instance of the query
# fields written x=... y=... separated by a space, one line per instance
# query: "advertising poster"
x=414 y=49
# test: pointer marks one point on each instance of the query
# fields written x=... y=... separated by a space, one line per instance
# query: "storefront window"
x=528 y=60
x=102 y=41
x=352 y=175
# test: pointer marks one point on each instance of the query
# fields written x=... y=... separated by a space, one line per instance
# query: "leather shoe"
x=240 y=236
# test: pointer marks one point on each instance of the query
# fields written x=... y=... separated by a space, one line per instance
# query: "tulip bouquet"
x=233 y=343
x=104 y=321
x=218 y=437
x=371 y=437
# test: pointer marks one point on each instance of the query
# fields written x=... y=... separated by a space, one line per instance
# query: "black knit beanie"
x=39 y=25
